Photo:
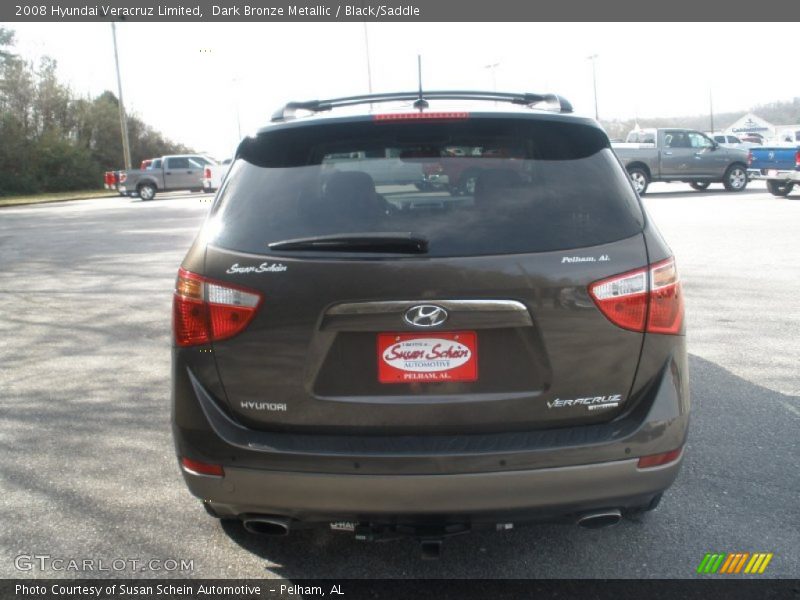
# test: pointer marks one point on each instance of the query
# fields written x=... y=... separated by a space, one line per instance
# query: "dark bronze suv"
x=390 y=358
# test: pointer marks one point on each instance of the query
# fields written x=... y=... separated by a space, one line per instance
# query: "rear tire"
x=700 y=185
x=147 y=191
x=640 y=179
x=735 y=178
x=779 y=188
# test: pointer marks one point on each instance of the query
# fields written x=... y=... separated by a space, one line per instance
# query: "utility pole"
x=593 y=58
x=369 y=67
x=123 y=121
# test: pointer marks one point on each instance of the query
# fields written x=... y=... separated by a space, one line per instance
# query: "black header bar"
x=634 y=11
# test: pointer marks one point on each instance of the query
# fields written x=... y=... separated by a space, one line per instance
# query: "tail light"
x=749 y=158
x=656 y=460
x=797 y=160
x=206 y=311
x=647 y=300
x=207 y=173
x=196 y=467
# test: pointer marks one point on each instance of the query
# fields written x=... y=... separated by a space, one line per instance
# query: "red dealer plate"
x=427 y=357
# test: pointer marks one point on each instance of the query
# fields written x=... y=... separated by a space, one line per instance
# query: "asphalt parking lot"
x=88 y=469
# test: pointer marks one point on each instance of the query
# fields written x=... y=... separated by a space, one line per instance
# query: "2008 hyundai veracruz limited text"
x=425 y=322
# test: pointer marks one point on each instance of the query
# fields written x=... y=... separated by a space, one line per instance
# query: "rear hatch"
x=399 y=307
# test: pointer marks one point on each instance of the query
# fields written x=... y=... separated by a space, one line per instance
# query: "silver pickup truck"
x=673 y=154
x=165 y=174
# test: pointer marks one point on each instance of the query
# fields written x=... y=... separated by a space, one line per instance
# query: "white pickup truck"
x=214 y=175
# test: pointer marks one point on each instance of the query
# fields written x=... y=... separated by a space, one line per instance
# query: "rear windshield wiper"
x=391 y=243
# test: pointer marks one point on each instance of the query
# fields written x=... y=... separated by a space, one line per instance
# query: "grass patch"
x=56 y=197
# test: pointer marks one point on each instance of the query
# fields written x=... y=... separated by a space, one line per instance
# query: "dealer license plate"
x=427 y=357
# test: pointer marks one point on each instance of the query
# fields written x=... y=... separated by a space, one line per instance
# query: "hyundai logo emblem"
x=425 y=315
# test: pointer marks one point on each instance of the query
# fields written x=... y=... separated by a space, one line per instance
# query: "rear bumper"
x=321 y=496
x=550 y=472
x=775 y=174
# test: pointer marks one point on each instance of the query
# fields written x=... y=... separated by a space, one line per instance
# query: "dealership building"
x=754 y=124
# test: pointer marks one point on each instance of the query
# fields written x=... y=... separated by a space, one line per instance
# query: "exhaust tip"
x=274 y=526
x=600 y=519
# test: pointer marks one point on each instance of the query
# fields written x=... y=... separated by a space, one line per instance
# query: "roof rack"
x=289 y=111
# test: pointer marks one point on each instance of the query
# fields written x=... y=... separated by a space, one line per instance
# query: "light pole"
x=711 y=109
x=593 y=58
x=235 y=89
x=123 y=121
x=492 y=67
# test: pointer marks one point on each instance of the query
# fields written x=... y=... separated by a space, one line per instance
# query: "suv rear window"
x=477 y=186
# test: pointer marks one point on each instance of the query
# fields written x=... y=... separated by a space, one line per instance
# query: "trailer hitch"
x=430 y=536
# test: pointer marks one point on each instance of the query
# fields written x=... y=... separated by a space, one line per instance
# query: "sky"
x=192 y=80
